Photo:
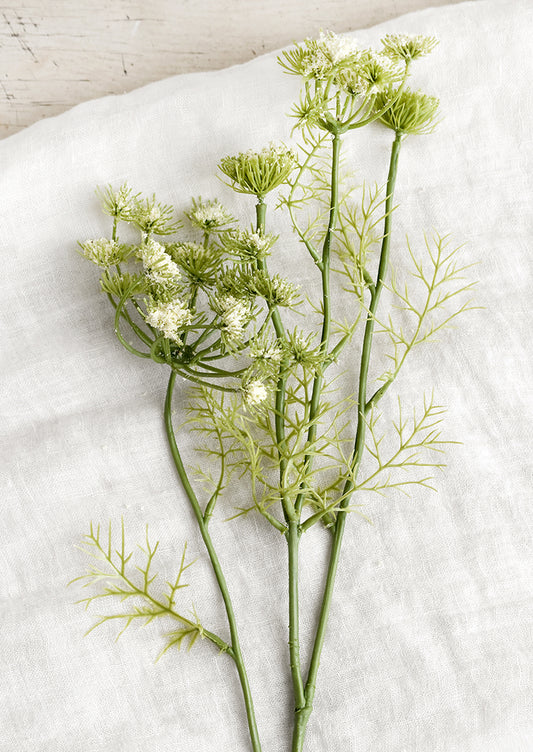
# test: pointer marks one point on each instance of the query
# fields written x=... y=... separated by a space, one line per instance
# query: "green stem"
x=310 y=687
x=235 y=644
x=293 y=532
x=294 y=619
x=326 y=324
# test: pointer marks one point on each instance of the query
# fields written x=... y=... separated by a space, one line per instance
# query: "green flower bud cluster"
x=258 y=173
x=410 y=112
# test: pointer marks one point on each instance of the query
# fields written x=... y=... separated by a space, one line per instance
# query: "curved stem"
x=118 y=312
x=235 y=644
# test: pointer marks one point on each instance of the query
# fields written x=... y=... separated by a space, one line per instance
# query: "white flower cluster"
x=169 y=317
x=283 y=292
x=373 y=74
x=235 y=314
x=209 y=215
x=278 y=153
x=146 y=213
x=102 y=251
x=327 y=52
x=254 y=393
x=408 y=46
x=157 y=263
x=121 y=199
x=248 y=245
x=269 y=352
x=338 y=48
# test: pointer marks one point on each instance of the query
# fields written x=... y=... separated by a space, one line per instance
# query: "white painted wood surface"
x=57 y=53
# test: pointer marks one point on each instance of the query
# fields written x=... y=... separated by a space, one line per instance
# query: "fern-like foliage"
x=119 y=580
x=439 y=282
x=419 y=446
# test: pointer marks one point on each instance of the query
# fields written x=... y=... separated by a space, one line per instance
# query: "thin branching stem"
x=215 y=563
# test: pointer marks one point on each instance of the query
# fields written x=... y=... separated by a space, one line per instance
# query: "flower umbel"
x=104 y=252
x=254 y=393
x=408 y=46
x=169 y=317
x=209 y=216
x=259 y=172
x=157 y=263
x=412 y=112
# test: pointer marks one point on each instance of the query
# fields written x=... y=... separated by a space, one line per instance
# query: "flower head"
x=117 y=203
x=209 y=216
x=275 y=290
x=247 y=245
x=411 y=112
x=104 y=252
x=234 y=316
x=408 y=46
x=320 y=58
x=259 y=172
x=372 y=73
x=168 y=317
x=200 y=263
x=254 y=393
x=152 y=217
x=157 y=263
x=267 y=351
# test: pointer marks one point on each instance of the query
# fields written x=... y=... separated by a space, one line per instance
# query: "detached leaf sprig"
x=263 y=357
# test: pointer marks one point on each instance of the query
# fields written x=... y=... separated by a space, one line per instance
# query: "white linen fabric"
x=430 y=640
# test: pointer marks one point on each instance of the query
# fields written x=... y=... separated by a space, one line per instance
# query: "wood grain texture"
x=57 y=53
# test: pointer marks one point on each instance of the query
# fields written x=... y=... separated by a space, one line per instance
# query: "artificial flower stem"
x=293 y=538
x=221 y=581
x=326 y=323
x=310 y=686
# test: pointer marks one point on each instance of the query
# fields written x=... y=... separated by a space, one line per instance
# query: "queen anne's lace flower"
x=158 y=265
x=408 y=46
x=234 y=317
x=209 y=215
x=248 y=245
x=338 y=48
x=103 y=252
x=259 y=172
x=269 y=352
x=169 y=317
x=254 y=393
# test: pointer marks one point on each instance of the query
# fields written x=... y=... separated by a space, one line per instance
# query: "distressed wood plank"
x=57 y=53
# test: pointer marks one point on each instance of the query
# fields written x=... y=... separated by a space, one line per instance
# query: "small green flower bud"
x=258 y=173
x=412 y=112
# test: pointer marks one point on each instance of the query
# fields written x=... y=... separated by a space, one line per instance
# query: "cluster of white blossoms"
x=235 y=315
x=169 y=317
x=269 y=352
x=248 y=245
x=254 y=393
x=117 y=202
x=103 y=252
x=326 y=52
x=158 y=265
x=373 y=73
x=408 y=46
x=259 y=172
x=209 y=215
x=282 y=291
